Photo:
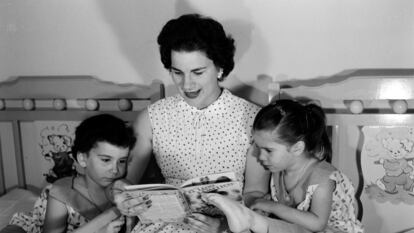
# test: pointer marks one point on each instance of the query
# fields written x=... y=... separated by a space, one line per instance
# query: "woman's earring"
x=220 y=74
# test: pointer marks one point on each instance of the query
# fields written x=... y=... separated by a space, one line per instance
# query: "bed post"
x=2 y=181
x=19 y=154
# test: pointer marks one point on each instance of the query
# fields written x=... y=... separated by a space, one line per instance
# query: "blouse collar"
x=213 y=107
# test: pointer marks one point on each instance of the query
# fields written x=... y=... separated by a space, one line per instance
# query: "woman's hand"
x=127 y=205
x=205 y=224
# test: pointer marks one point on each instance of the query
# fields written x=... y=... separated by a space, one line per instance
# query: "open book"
x=173 y=204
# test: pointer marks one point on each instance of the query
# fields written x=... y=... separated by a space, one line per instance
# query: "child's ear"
x=297 y=148
x=82 y=158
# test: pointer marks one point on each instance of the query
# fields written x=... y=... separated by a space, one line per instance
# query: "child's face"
x=273 y=156
x=106 y=163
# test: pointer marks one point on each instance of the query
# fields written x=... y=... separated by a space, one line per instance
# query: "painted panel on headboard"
x=52 y=141
x=387 y=166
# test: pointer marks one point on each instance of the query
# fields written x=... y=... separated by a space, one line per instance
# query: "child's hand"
x=203 y=223
x=132 y=206
x=263 y=206
x=115 y=226
x=127 y=205
x=115 y=189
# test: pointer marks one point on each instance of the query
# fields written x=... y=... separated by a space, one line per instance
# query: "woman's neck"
x=213 y=99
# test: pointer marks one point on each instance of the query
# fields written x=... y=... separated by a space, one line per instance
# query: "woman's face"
x=195 y=76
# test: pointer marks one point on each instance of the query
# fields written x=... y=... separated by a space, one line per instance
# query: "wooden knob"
x=356 y=106
x=28 y=104
x=2 y=104
x=59 y=104
x=124 y=104
x=400 y=106
x=91 y=104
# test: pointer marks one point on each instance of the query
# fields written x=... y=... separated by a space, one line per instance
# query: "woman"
x=202 y=130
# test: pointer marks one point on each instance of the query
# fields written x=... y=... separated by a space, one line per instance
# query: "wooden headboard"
x=371 y=122
x=28 y=99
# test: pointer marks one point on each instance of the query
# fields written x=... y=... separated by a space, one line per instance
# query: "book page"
x=150 y=187
x=172 y=204
x=232 y=190
x=167 y=206
x=210 y=179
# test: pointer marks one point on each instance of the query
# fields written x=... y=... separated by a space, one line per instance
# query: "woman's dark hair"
x=194 y=32
x=102 y=128
x=292 y=122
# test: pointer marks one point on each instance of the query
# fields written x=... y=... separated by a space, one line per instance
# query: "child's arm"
x=106 y=222
x=56 y=215
x=315 y=219
x=241 y=219
x=114 y=226
x=256 y=178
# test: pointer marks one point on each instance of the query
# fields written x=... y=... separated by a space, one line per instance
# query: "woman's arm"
x=256 y=177
x=56 y=216
x=142 y=152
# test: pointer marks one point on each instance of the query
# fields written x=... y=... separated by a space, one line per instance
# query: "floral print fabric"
x=342 y=217
x=32 y=222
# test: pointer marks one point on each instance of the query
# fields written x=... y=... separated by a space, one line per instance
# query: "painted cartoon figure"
x=398 y=171
x=56 y=144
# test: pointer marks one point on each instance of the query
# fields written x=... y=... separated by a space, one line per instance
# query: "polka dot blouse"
x=189 y=142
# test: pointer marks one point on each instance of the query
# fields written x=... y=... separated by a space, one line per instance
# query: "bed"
x=32 y=108
x=371 y=124
x=370 y=118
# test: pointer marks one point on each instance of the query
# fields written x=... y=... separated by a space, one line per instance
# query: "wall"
x=281 y=39
x=115 y=40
